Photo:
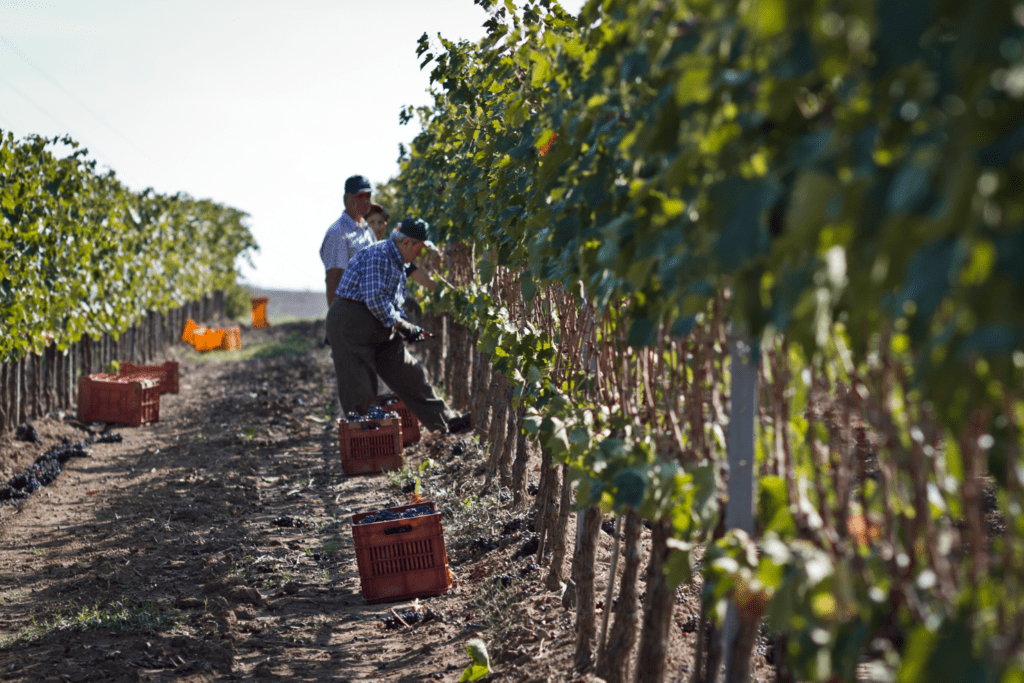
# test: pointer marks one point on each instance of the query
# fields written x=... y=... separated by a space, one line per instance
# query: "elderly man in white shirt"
x=347 y=235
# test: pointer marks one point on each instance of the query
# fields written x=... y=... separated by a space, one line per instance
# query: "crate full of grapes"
x=166 y=375
x=118 y=400
x=400 y=552
x=410 y=425
x=370 y=443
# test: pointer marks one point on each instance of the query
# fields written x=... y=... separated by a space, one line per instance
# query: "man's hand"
x=412 y=333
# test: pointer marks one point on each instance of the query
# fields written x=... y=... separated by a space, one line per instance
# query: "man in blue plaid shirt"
x=366 y=330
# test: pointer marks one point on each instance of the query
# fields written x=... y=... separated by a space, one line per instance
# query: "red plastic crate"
x=166 y=375
x=410 y=425
x=378 y=449
x=401 y=559
x=118 y=400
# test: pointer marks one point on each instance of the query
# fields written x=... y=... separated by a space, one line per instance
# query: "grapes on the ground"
x=528 y=568
x=411 y=618
x=27 y=432
x=529 y=547
x=483 y=545
x=288 y=522
x=42 y=472
x=512 y=526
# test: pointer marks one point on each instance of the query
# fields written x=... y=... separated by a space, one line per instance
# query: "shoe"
x=460 y=424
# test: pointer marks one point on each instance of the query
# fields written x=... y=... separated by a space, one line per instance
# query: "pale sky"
x=263 y=105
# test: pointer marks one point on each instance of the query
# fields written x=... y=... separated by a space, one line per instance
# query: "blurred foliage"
x=82 y=254
x=238 y=302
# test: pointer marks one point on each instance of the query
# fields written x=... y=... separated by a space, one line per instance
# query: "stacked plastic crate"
x=370 y=443
x=410 y=425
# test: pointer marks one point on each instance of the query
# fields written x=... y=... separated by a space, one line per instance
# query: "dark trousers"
x=362 y=350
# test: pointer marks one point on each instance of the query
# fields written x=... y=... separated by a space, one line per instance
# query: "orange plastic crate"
x=232 y=340
x=403 y=558
x=207 y=339
x=410 y=425
x=259 y=311
x=118 y=400
x=166 y=375
x=368 y=451
x=188 y=333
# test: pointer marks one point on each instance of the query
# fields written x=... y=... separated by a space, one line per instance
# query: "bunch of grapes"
x=379 y=516
x=411 y=618
x=418 y=511
x=483 y=545
x=285 y=521
x=374 y=413
x=390 y=516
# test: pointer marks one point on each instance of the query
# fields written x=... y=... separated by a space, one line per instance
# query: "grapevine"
x=837 y=181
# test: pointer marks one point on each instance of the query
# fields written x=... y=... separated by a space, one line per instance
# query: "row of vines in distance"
x=837 y=181
x=91 y=271
x=82 y=254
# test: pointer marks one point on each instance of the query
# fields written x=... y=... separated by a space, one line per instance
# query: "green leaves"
x=773 y=506
x=88 y=256
x=630 y=486
x=826 y=164
x=480 y=662
x=943 y=654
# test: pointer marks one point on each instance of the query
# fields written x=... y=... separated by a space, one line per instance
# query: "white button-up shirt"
x=343 y=240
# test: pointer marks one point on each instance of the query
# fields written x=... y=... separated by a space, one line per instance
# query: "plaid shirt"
x=376 y=276
x=344 y=239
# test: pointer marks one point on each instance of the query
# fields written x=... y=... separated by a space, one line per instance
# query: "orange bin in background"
x=212 y=338
x=259 y=311
x=232 y=340
x=206 y=339
x=187 y=335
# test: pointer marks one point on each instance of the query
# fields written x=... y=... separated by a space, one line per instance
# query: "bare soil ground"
x=163 y=557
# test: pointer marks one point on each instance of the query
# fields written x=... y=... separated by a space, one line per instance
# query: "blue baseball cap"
x=417 y=229
x=357 y=184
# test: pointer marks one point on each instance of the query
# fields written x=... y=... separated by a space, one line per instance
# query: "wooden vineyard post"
x=613 y=659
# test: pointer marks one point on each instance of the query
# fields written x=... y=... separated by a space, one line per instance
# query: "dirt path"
x=167 y=557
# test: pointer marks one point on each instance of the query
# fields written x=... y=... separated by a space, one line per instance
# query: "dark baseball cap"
x=417 y=229
x=357 y=184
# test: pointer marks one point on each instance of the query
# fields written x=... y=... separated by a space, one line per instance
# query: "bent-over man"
x=366 y=330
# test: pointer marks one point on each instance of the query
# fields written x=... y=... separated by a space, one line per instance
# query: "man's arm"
x=332 y=279
x=421 y=278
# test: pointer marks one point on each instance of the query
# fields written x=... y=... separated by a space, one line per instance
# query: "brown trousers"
x=363 y=349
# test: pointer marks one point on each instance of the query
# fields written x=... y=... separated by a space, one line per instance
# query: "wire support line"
x=83 y=105
x=39 y=107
